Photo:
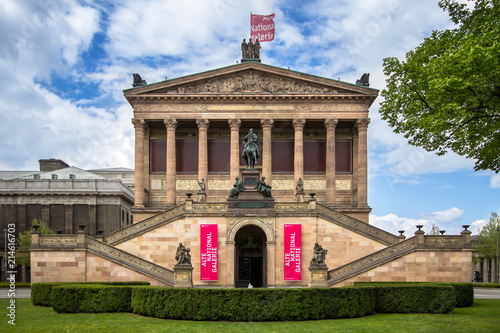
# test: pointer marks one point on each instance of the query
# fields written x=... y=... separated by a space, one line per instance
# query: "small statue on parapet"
x=138 y=81
x=299 y=189
x=319 y=256
x=201 y=186
x=250 y=50
x=183 y=255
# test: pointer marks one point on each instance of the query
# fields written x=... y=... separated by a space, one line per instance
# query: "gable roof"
x=249 y=78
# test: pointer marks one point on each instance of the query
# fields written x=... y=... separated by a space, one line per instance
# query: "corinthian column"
x=202 y=149
x=139 y=126
x=330 y=125
x=362 y=127
x=234 y=125
x=267 y=157
x=171 y=125
x=298 y=160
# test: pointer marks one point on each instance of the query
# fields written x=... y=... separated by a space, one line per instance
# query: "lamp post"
x=496 y=264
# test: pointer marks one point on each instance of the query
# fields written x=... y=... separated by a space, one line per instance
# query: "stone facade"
x=63 y=198
x=311 y=129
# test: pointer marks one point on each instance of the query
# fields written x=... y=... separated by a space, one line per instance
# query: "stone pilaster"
x=139 y=126
x=203 y=125
x=330 y=125
x=92 y=218
x=171 y=125
x=46 y=214
x=298 y=160
x=267 y=125
x=362 y=127
x=234 y=125
x=146 y=163
x=68 y=219
x=271 y=263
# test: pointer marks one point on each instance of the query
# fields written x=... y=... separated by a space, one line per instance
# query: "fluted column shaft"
x=298 y=159
x=362 y=127
x=171 y=125
x=267 y=156
x=203 y=125
x=330 y=125
x=234 y=125
x=139 y=126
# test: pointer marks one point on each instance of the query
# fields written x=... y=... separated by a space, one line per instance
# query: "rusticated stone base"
x=318 y=276
x=183 y=276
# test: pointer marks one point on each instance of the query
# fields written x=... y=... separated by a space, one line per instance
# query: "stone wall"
x=421 y=266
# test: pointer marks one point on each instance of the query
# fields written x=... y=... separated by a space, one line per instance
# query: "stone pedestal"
x=183 y=276
x=250 y=200
x=202 y=197
x=300 y=197
x=318 y=276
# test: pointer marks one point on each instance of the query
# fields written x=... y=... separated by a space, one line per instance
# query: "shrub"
x=41 y=292
x=464 y=290
x=252 y=305
x=73 y=298
x=415 y=299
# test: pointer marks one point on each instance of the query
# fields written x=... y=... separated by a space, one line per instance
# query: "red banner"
x=208 y=252
x=262 y=28
x=293 y=252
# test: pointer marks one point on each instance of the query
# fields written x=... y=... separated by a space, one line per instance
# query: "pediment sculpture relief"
x=252 y=83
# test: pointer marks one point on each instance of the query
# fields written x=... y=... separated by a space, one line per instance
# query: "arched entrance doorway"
x=250 y=257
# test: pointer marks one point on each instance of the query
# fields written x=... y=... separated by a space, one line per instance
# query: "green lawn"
x=484 y=316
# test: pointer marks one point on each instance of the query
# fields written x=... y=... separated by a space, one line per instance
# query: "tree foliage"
x=24 y=242
x=486 y=245
x=446 y=94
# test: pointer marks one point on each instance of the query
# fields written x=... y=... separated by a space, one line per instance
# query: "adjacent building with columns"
x=311 y=130
x=309 y=127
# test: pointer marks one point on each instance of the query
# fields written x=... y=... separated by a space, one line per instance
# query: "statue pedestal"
x=318 y=276
x=300 y=197
x=183 y=276
x=250 y=200
x=202 y=197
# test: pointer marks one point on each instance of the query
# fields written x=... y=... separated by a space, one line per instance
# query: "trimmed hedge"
x=464 y=290
x=415 y=299
x=252 y=305
x=76 y=298
x=41 y=292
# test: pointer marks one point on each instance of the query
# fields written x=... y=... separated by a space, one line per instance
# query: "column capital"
x=267 y=123
x=202 y=124
x=331 y=124
x=362 y=123
x=298 y=124
x=170 y=123
x=139 y=123
x=234 y=124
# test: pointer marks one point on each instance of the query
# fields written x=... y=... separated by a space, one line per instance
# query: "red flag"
x=262 y=27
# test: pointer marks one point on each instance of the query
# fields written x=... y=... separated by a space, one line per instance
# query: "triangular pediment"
x=250 y=78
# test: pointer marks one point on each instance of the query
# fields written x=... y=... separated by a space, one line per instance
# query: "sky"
x=64 y=65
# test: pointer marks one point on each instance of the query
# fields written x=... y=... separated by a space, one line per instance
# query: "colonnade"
x=141 y=132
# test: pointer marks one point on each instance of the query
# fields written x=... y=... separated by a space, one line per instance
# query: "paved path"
x=479 y=293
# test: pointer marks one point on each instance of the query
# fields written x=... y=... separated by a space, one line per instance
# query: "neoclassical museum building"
x=192 y=227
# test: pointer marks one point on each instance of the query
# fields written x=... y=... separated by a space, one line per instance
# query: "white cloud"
x=495 y=181
x=448 y=220
x=476 y=226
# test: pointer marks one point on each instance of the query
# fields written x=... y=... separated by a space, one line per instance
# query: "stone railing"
x=375 y=259
x=58 y=241
x=357 y=226
x=146 y=225
x=130 y=261
x=417 y=243
x=209 y=208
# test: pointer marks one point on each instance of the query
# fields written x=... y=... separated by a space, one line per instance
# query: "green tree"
x=24 y=242
x=446 y=94
x=486 y=245
x=434 y=230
